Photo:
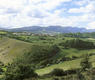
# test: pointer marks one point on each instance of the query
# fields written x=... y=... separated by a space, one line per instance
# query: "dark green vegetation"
x=47 y=57
x=40 y=56
x=80 y=35
x=78 y=44
x=19 y=72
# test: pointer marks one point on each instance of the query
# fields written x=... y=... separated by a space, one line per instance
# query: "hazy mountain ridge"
x=49 y=29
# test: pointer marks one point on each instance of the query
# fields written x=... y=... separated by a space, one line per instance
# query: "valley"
x=46 y=52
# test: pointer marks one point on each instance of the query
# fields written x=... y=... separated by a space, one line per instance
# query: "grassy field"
x=66 y=65
x=11 y=48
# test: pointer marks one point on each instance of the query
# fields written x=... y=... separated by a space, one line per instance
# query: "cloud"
x=16 y=13
x=81 y=2
x=19 y=13
x=88 y=8
x=91 y=25
x=86 y=13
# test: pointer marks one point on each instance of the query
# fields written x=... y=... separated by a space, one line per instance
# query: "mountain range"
x=51 y=29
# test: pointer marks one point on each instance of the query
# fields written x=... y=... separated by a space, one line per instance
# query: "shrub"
x=55 y=79
x=19 y=72
x=72 y=71
x=78 y=44
x=57 y=72
x=1 y=67
x=40 y=55
x=74 y=57
x=80 y=76
x=85 y=64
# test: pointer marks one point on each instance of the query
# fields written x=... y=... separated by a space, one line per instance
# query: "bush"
x=72 y=71
x=78 y=44
x=19 y=72
x=40 y=55
x=74 y=57
x=1 y=67
x=55 y=79
x=57 y=72
x=85 y=63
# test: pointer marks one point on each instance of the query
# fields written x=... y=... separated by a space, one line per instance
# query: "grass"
x=3 y=32
x=11 y=48
x=66 y=65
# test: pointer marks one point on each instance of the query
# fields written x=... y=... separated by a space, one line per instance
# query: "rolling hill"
x=11 y=48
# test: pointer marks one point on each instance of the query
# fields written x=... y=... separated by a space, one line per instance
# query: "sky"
x=20 y=13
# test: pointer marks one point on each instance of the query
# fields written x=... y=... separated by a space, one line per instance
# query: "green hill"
x=10 y=48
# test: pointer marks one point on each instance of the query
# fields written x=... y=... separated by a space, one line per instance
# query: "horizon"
x=46 y=26
x=24 y=13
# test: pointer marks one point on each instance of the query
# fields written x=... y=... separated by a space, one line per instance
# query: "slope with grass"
x=11 y=48
x=66 y=65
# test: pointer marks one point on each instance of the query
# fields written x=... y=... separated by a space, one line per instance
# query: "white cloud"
x=91 y=25
x=18 y=13
x=16 y=4
x=86 y=13
x=51 y=4
x=26 y=12
x=88 y=8
x=81 y=2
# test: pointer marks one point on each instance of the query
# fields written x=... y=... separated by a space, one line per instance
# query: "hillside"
x=44 y=53
x=10 y=48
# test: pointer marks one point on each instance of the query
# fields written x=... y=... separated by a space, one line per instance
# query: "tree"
x=1 y=67
x=79 y=44
x=57 y=72
x=19 y=72
x=85 y=63
x=40 y=55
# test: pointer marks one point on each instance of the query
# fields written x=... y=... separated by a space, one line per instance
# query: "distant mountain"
x=51 y=29
x=28 y=29
x=65 y=29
